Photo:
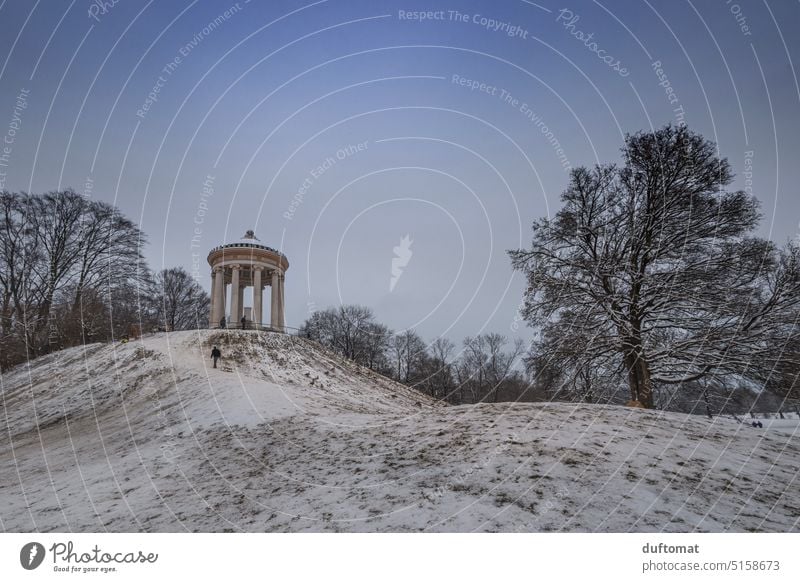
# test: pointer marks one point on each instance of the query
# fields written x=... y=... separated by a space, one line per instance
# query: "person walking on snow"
x=215 y=355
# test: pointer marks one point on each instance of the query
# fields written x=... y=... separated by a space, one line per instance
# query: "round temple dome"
x=250 y=240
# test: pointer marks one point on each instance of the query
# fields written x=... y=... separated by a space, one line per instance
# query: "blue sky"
x=256 y=100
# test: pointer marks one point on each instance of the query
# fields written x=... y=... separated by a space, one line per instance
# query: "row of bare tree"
x=483 y=369
x=72 y=271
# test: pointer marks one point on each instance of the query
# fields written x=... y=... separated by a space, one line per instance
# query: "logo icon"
x=31 y=555
x=402 y=255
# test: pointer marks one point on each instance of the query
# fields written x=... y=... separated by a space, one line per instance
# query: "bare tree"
x=350 y=330
x=109 y=243
x=500 y=363
x=486 y=368
x=376 y=341
x=57 y=217
x=471 y=369
x=353 y=322
x=180 y=301
x=397 y=349
x=323 y=328
x=655 y=261
x=54 y=250
x=408 y=356
x=440 y=374
x=19 y=256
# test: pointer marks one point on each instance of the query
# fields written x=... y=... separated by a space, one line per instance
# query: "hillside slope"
x=284 y=436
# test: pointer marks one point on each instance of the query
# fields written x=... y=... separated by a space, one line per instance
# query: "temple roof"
x=249 y=240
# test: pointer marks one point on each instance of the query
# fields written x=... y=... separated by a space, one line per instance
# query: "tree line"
x=483 y=369
x=72 y=272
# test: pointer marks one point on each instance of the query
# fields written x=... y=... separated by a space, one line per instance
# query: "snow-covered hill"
x=146 y=436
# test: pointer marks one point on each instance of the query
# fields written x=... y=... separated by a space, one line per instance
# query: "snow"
x=284 y=436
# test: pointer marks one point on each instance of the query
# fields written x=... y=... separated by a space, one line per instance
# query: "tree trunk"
x=587 y=388
x=76 y=303
x=5 y=323
x=641 y=386
x=633 y=384
x=43 y=318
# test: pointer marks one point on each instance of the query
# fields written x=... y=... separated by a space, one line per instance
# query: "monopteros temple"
x=241 y=264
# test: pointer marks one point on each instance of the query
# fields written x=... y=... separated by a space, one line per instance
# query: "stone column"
x=257 y=290
x=236 y=297
x=241 y=305
x=224 y=309
x=281 y=311
x=274 y=317
x=212 y=314
x=219 y=297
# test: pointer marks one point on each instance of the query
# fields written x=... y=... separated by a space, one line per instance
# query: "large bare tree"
x=653 y=264
x=54 y=250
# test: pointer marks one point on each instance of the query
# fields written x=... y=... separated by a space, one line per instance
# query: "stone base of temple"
x=249 y=326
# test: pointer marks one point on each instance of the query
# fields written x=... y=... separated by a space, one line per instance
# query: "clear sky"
x=336 y=128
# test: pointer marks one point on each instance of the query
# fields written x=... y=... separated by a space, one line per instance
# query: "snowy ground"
x=285 y=437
